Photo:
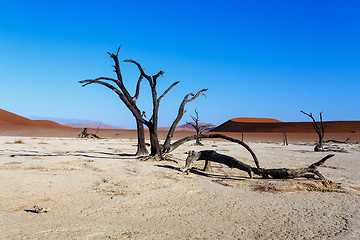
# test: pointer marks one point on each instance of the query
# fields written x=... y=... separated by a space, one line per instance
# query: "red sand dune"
x=11 y=119
x=273 y=125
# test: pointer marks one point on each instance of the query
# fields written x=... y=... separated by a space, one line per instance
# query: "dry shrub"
x=19 y=141
x=316 y=186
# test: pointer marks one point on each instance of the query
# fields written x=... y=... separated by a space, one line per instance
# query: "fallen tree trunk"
x=280 y=173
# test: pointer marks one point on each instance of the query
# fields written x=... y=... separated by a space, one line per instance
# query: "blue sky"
x=258 y=58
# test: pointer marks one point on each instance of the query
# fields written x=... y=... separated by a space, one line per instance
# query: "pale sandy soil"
x=95 y=189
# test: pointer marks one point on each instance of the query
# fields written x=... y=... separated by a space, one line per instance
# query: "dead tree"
x=285 y=141
x=199 y=129
x=85 y=134
x=130 y=102
x=319 y=128
x=279 y=173
x=126 y=98
x=152 y=124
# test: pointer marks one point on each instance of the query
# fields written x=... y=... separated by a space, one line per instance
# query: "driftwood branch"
x=280 y=173
x=178 y=143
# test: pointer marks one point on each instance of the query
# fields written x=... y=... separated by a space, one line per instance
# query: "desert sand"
x=96 y=189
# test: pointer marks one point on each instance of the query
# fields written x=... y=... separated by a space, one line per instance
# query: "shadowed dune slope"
x=11 y=119
x=234 y=125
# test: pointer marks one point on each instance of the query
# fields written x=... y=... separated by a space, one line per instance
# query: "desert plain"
x=97 y=189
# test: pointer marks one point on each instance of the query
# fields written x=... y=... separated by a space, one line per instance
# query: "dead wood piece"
x=278 y=173
x=85 y=134
x=213 y=156
x=336 y=141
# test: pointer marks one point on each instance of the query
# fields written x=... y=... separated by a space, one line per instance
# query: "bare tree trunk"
x=141 y=146
x=285 y=141
x=155 y=149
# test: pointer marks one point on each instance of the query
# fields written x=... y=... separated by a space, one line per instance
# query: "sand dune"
x=254 y=120
x=259 y=125
x=8 y=118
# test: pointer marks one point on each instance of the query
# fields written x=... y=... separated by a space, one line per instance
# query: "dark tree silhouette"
x=152 y=124
x=319 y=128
x=130 y=102
x=126 y=98
x=199 y=129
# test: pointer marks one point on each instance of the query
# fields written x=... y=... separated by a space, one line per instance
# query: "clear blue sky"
x=258 y=58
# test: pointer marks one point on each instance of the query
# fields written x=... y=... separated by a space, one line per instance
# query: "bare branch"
x=102 y=78
x=317 y=129
x=179 y=142
x=141 y=70
x=87 y=82
x=136 y=96
x=180 y=115
x=193 y=125
x=117 y=53
x=161 y=73
x=167 y=90
x=132 y=107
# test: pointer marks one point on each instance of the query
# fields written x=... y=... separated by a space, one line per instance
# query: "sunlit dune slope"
x=11 y=119
x=254 y=120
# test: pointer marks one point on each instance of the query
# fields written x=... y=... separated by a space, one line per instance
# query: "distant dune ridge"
x=245 y=124
x=11 y=119
x=255 y=120
x=188 y=127
x=89 y=125
x=276 y=126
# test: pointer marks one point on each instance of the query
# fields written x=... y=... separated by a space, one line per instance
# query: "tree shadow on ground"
x=103 y=155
